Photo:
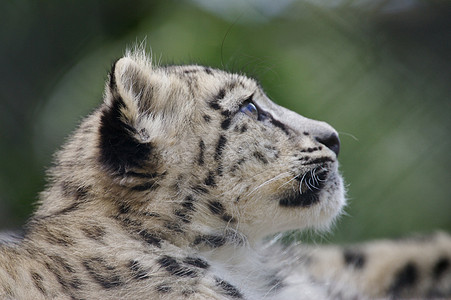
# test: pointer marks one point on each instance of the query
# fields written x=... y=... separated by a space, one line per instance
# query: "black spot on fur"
x=72 y=207
x=243 y=128
x=164 y=289
x=124 y=208
x=37 y=281
x=94 y=232
x=354 y=259
x=148 y=186
x=119 y=150
x=171 y=265
x=151 y=214
x=233 y=169
x=207 y=118
x=137 y=270
x=188 y=203
x=226 y=123
x=440 y=267
x=216 y=207
x=213 y=241
x=150 y=238
x=128 y=223
x=258 y=155
x=220 y=147
x=220 y=94
x=208 y=71
x=72 y=191
x=197 y=262
x=173 y=226
x=404 y=278
x=200 y=189
x=219 y=169
x=241 y=161
x=63 y=272
x=200 y=159
x=210 y=180
x=228 y=289
x=61 y=262
x=183 y=215
x=228 y=218
x=57 y=237
x=190 y=71
x=104 y=274
x=214 y=104
x=77 y=193
x=226 y=113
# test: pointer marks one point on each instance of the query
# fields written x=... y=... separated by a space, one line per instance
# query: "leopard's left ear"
x=128 y=127
x=130 y=82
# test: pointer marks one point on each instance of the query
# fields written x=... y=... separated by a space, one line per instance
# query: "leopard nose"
x=331 y=141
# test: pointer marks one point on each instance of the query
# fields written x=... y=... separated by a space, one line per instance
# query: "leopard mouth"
x=311 y=184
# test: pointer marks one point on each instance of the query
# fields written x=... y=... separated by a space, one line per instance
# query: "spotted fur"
x=169 y=188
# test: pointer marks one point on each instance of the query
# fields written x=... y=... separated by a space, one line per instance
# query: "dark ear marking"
x=119 y=150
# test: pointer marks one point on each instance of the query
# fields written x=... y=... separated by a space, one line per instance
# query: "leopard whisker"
x=267 y=182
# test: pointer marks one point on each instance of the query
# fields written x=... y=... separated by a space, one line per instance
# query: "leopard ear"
x=130 y=81
x=126 y=128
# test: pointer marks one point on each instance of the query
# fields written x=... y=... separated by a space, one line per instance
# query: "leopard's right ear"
x=127 y=129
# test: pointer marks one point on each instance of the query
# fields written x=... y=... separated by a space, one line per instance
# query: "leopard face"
x=216 y=151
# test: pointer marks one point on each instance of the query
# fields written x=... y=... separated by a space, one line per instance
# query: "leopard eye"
x=250 y=109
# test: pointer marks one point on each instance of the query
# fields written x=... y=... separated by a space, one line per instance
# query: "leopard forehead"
x=179 y=88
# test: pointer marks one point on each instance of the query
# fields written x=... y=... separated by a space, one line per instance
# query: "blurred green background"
x=378 y=71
